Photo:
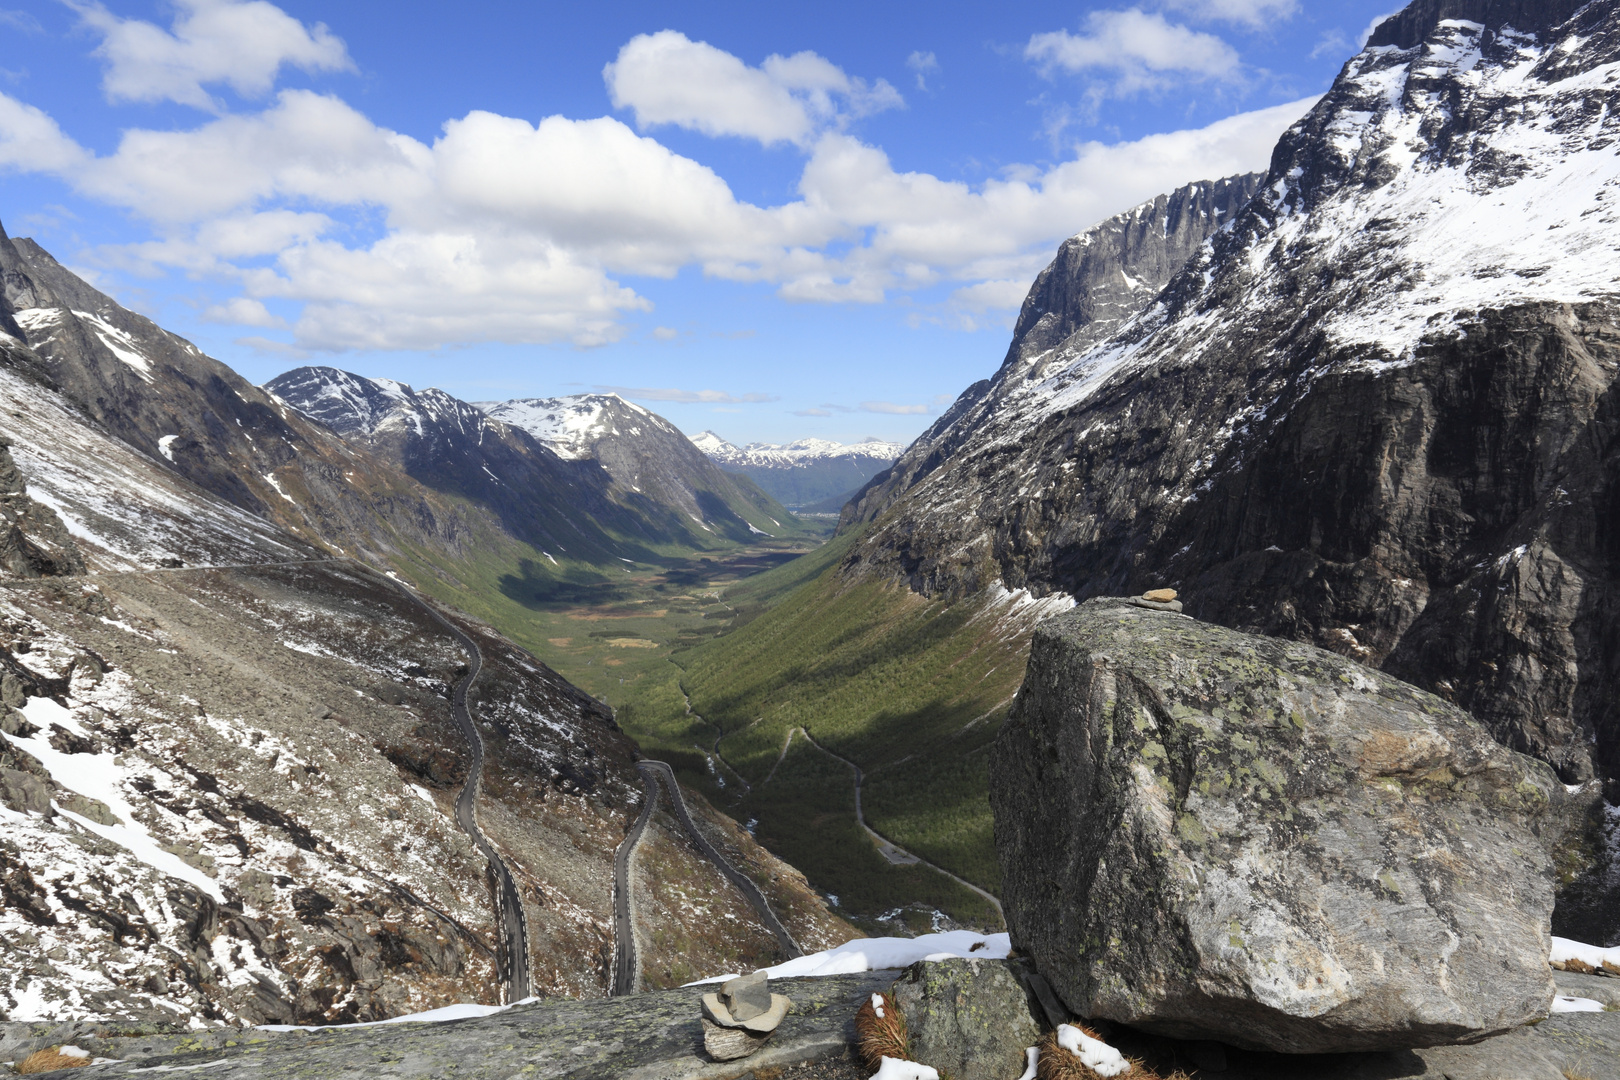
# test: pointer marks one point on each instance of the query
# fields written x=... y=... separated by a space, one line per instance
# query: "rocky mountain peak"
x=1408 y=28
x=573 y=425
x=1099 y=280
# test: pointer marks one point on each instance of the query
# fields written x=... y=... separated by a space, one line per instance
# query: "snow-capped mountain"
x=649 y=458
x=573 y=426
x=804 y=473
x=1375 y=409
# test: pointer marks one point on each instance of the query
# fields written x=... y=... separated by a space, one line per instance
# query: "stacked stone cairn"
x=741 y=1017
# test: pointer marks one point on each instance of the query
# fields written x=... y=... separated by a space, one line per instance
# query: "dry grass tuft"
x=879 y=1037
x=1056 y=1063
x=48 y=1059
x=1574 y=1074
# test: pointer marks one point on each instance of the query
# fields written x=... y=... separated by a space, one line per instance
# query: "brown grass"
x=877 y=1038
x=1056 y=1063
x=1573 y=1074
x=48 y=1059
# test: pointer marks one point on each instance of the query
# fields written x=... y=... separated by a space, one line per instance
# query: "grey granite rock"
x=653 y=1036
x=24 y=793
x=970 y=1019
x=1210 y=834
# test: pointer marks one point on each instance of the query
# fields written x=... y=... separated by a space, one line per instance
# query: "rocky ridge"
x=160 y=394
x=650 y=460
x=1374 y=411
x=570 y=508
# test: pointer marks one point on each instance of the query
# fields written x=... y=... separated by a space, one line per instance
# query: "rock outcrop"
x=970 y=1019
x=33 y=540
x=1209 y=834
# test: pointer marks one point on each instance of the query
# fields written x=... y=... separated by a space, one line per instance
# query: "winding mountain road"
x=626 y=967
x=508 y=900
x=889 y=849
x=625 y=963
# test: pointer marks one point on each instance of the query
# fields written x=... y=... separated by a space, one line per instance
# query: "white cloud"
x=1254 y=14
x=30 y=141
x=507 y=230
x=1141 y=50
x=686 y=397
x=240 y=311
x=666 y=78
x=665 y=333
x=20 y=20
x=923 y=64
x=240 y=44
x=811 y=412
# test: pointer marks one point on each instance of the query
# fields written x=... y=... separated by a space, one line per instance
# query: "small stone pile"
x=741 y=1017
x=1158 y=600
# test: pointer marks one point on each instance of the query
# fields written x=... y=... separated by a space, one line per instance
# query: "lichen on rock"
x=1210 y=834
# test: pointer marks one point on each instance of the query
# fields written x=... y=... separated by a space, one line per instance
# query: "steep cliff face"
x=1099 y=280
x=1375 y=411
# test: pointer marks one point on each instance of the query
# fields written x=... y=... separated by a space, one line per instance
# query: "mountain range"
x=230 y=751
x=813 y=475
x=1366 y=399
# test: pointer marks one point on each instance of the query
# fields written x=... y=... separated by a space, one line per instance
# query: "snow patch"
x=895 y=1069
x=1094 y=1054
x=873 y=954
x=96 y=776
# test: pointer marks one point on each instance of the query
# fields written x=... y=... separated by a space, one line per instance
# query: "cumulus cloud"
x=31 y=141
x=923 y=64
x=1139 y=50
x=1254 y=14
x=686 y=397
x=243 y=45
x=503 y=229
x=667 y=78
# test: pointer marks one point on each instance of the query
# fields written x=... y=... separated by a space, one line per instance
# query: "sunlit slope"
x=909 y=689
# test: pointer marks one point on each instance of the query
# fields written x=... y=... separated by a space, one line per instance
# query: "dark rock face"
x=970 y=1019
x=33 y=541
x=1099 y=280
x=1377 y=412
x=1208 y=834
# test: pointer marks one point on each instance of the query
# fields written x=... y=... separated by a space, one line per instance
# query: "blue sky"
x=771 y=220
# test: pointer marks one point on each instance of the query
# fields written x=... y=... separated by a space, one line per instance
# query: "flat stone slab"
x=655 y=1036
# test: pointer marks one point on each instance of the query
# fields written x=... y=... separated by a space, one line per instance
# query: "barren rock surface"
x=1211 y=834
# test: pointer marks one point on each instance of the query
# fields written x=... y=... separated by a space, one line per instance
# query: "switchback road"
x=508 y=901
x=626 y=967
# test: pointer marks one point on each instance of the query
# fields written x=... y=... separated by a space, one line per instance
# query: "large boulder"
x=1209 y=834
x=970 y=1019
